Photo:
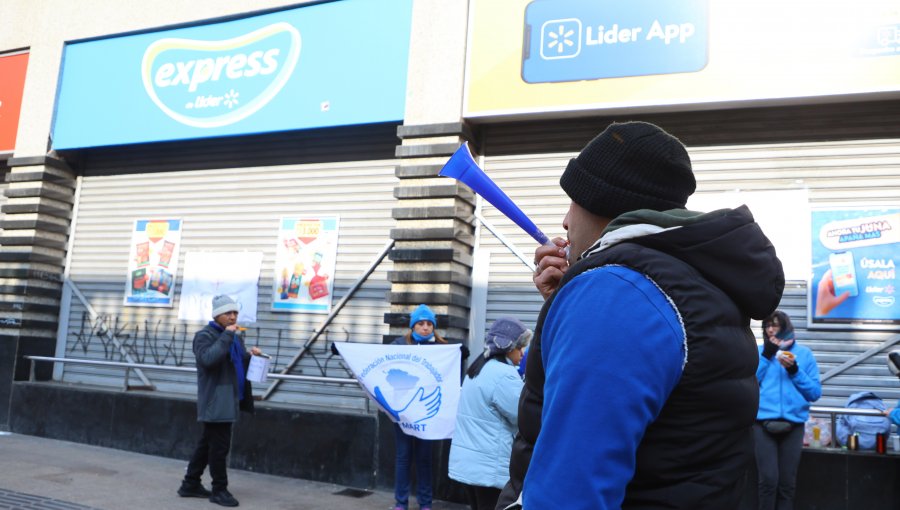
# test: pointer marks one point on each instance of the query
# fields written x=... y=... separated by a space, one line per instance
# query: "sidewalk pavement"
x=39 y=473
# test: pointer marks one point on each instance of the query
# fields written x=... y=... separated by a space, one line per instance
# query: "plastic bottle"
x=817 y=435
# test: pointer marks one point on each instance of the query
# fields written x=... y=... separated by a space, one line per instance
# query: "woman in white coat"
x=488 y=413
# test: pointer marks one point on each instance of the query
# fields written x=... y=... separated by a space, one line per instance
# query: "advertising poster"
x=208 y=274
x=539 y=56
x=304 y=264
x=855 y=253
x=153 y=262
x=416 y=388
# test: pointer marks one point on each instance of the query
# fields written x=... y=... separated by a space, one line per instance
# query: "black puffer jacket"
x=719 y=270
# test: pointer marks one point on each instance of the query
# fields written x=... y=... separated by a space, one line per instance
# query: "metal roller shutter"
x=232 y=209
x=837 y=173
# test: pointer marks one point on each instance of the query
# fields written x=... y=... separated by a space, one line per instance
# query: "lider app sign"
x=293 y=69
x=570 y=40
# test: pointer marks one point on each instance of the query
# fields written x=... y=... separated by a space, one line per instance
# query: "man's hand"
x=826 y=301
x=255 y=351
x=550 y=266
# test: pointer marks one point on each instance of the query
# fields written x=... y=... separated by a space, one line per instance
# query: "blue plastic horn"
x=463 y=168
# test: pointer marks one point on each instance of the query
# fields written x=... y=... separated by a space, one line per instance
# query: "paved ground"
x=42 y=474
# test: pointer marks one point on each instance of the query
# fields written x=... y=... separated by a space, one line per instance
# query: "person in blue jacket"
x=422 y=321
x=487 y=414
x=788 y=381
x=640 y=388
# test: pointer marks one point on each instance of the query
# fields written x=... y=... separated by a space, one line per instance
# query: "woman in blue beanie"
x=421 y=332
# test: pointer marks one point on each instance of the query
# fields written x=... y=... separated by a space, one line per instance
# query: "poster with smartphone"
x=153 y=263
x=855 y=253
x=305 y=260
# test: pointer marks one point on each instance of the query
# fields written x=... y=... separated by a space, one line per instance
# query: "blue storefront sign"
x=855 y=253
x=330 y=64
x=570 y=40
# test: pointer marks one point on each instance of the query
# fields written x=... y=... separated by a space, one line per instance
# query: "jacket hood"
x=726 y=246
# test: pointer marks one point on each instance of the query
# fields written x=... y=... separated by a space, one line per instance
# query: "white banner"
x=208 y=274
x=416 y=386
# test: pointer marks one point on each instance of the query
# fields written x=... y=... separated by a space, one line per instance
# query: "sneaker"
x=398 y=507
x=224 y=498
x=424 y=508
x=193 y=490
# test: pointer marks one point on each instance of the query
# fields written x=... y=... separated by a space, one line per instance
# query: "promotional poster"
x=304 y=264
x=855 y=253
x=153 y=263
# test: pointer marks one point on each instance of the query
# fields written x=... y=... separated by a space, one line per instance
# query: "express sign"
x=287 y=70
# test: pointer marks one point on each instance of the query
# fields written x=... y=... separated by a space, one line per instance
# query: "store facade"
x=215 y=136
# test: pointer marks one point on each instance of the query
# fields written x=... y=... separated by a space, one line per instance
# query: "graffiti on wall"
x=150 y=343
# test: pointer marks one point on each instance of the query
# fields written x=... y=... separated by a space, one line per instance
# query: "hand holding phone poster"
x=417 y=387
x=208 y=274
x=305 y=260
x=152 y=263
x=855 y=253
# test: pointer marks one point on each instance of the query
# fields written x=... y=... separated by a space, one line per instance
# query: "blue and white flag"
x=417 y=387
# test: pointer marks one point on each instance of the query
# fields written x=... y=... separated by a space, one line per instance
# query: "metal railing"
x=832 y=413
x=167 y=368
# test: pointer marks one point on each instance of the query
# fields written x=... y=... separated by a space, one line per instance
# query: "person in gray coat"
x=222 y=391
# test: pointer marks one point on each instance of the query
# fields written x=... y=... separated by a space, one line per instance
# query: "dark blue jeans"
x=407 y=448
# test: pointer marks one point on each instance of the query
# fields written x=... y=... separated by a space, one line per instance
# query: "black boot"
x=223 y=497
x=193 y=490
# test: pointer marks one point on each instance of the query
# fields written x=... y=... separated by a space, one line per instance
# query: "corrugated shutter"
x=4 y=171
x=842 y=173
x=234 y=209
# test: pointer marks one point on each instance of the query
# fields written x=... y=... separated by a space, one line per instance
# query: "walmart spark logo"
x=561 y=38
x=208 y=84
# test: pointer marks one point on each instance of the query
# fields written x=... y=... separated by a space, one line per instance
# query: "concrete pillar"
x=35 y=222
x=432 y=255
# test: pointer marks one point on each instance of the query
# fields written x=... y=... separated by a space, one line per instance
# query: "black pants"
x=482 y=498
x=212 y=451
x=777 y=460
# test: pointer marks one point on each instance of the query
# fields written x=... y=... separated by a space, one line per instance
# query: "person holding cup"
x=222 y=391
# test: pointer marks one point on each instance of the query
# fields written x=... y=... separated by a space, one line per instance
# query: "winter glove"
x=769 y=349
x=791 y=370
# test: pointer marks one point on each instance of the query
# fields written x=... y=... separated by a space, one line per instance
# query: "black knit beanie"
x=630 y=166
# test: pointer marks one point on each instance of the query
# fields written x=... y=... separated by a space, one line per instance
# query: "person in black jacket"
x=640 y=390
x=222 y=391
